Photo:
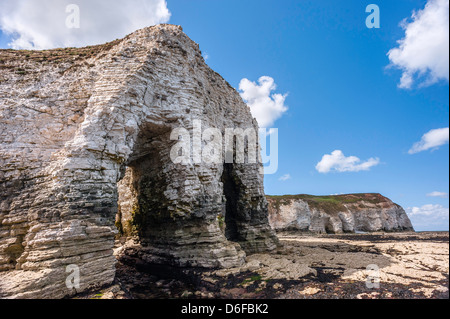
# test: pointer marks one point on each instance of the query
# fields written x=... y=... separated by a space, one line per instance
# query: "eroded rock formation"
x=337 y=214
x=84 y=155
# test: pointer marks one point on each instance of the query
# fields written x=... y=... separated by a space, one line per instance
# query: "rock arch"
x=84 y=145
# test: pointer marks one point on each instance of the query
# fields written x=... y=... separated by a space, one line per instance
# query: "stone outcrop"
x=85 y=156
x=337 y=214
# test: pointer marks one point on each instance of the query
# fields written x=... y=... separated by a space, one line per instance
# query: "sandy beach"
x=348 y=266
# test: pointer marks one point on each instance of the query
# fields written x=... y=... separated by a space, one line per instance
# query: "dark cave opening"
x=231 y=192
x=141 y=202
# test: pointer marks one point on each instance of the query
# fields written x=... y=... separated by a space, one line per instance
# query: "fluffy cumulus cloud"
x=424 y=51
x=41 y=24
x=438 y=194
x=431 y=140
x=285 y=177
x=337 y=161
x=429 y=217
x=265 y=106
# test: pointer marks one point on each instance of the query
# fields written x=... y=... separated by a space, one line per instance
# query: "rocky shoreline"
x=91 y=194
x=411 y=266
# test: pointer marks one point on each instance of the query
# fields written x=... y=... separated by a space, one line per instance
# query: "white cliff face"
x=337 y=214
x=85 y=133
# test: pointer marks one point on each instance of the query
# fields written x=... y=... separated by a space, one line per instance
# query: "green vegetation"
x=137 y=219
x=330 y=203
x=252 y=279
x=97 y=296
x=119 y=226
x=221 y=220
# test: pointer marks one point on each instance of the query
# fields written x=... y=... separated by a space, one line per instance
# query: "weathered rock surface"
x=337 y=214
x=85 y=146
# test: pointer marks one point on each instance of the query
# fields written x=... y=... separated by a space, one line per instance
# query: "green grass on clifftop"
x=330 y=203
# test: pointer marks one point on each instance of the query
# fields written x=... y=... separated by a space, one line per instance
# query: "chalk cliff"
x=85 y=155
x=337 y=214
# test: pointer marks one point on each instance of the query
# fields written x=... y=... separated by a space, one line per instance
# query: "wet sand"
x=349 y=266
x=409 y=265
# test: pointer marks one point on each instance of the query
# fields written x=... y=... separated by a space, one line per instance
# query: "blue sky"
x=341 y=95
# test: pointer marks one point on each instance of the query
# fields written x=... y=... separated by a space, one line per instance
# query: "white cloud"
x=429 y=217
x=265 y=106
x=428 y=210
x=438 y=194
x=285 y=177
x=337 y=161
x=431 y=140
x=424 y=51
x=41 y=24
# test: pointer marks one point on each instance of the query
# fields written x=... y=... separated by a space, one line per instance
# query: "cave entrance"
x=231 y=192
x=141 y=185
x=170 y=209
